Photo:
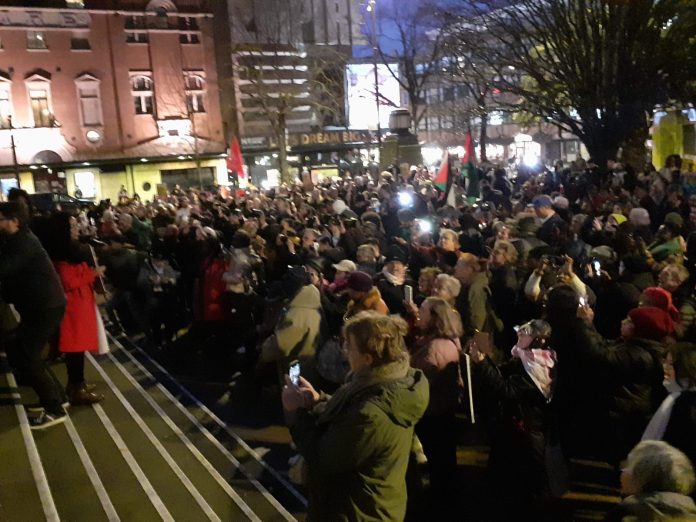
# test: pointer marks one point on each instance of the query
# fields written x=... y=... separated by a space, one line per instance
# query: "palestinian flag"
x=472 y=190
x=443 y=180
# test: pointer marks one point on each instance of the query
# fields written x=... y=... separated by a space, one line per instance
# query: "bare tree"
x=595 y=68
x=411 y=47
x=279 y=84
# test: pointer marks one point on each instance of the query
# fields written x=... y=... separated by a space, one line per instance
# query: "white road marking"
x=210 y=513
x=37 y=469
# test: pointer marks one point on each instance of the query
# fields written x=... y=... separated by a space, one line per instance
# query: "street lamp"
x=14 y=149
x=372 y=9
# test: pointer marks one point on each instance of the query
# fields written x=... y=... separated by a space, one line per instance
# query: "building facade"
x=95 y=95
x=283 y=57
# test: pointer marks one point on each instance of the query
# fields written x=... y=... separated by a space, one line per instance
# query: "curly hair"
x=381 y=336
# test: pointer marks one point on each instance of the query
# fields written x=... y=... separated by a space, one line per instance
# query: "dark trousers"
x=439 y=438
x=34 y=332
x=75 y=364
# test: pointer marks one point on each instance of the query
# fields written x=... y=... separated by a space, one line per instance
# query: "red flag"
x=235 y=162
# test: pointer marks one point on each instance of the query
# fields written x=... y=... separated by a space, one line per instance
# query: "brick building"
x=97 y=94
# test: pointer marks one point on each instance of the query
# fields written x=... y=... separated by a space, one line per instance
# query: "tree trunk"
x=285 y=176
x=483 y=137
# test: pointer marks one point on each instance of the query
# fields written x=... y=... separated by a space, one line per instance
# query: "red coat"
x=210 y=292
x=78 y=331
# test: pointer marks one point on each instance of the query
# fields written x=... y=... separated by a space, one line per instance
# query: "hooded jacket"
x=298 y=327
x=357 y=445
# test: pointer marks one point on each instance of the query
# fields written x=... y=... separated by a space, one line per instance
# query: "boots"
x=82 y=394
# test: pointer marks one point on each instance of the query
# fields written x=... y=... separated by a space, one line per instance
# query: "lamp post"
x=14 y=150
x=372 y=9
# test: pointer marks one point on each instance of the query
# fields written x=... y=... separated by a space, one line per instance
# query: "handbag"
x=103 y=341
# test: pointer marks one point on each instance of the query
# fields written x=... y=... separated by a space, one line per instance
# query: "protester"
x=357 y=443
x=79 y=329
x=437 y=353
x=524 y=388
x=657 y=480
x=30 y=283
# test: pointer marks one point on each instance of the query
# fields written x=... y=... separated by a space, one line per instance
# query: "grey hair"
x=450 y=284
x=365 y=253
x=654 y=465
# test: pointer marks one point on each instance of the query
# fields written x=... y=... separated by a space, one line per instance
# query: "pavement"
x=149 y=451
x=177 y=438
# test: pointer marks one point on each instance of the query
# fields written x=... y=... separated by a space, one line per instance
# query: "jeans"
x=34 y=332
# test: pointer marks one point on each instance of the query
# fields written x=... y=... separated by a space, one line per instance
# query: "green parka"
x=357 y=444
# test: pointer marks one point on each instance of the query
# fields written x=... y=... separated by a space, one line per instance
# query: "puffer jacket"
x=299 y=325
x=357 y=446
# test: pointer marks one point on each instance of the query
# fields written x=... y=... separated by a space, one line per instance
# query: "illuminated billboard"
x=361 y=95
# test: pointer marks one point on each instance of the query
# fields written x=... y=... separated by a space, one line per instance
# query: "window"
x=40 y=108
x=189 y=30
x=5 y=105
x=189 y=38
x=79 y=43
x=75 y=4
x=187 y=23
x=140 y=37
x=36 y=40
x=90 y=100
x=195 y=92
x=136 y=29
x=141 y=89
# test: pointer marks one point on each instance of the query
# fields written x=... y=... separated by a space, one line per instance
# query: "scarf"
x=357 y=382
x=396 y=281
x=658 y=424
x=538 y=365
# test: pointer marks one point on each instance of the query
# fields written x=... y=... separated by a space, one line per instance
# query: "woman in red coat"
x=78 y=331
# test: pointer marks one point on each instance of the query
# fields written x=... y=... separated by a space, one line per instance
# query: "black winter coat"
x=521 y=424
x=27 y=276
x=393 y=295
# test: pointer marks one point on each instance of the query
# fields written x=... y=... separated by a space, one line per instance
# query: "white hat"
x=345 y=266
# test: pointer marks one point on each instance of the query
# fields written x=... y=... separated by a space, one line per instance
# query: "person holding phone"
x=522 y=423
x=356 y=443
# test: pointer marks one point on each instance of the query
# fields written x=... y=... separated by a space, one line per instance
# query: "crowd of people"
x=559 y=308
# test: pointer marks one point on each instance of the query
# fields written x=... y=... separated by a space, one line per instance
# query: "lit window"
x=195 y=92
x=76 y=4
x=90 y=101
x=141 y=89
x=40 y=108
x=5 y=105
x=36 y=40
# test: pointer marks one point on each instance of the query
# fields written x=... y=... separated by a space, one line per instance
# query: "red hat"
x=651 y=323
x=662 y=299
x=360 y=281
